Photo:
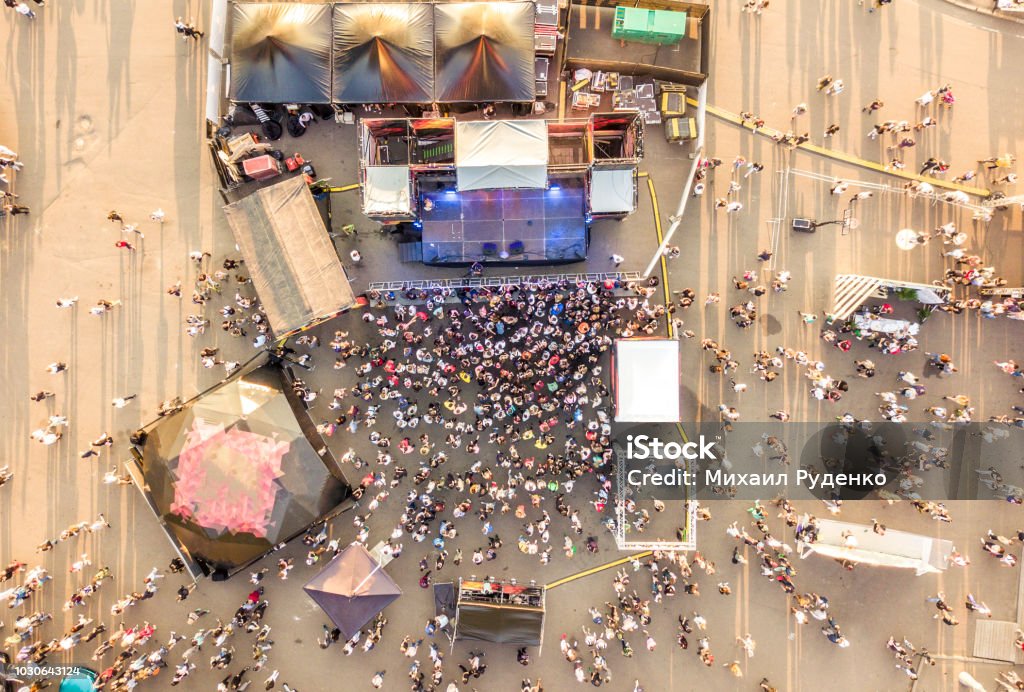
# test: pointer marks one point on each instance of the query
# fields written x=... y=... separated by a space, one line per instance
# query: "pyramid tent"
x=483 y=51
x=352 y=588
x=383 y=53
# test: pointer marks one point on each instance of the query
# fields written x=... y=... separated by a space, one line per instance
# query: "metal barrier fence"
x=503 y=281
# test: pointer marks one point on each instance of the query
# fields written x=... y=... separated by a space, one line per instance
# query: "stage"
x=510 y=226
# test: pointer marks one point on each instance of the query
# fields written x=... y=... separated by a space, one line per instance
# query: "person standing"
x=23 y=9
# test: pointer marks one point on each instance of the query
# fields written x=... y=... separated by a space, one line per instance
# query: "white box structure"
x=646 y=380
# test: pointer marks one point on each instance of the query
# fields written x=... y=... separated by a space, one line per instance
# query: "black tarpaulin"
x=237 y=471
x=502 y=624
x=484 y=52
x=383 y=53
x=281 y=53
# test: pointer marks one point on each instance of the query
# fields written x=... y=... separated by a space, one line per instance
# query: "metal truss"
x=622 y=494
x=503 y=281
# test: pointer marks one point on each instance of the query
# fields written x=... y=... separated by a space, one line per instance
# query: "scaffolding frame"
x=620 y=532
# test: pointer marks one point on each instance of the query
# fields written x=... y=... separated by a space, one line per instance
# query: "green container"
x=641 y=25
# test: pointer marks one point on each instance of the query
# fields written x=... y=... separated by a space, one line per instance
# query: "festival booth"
x=502 y=612
x=484 y=52
x=352 y=589
x=859 y=544
x=383 y=53
x=281 y=53
x=237 y=471
x=289 y=256
x=645 y=380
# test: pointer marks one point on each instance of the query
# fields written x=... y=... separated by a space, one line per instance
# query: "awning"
x=386 y=191
x=501 y=624
x=851 y=290
x=281 y=53
x=500 y=612
x=484 y=51
x=612 y=191
x=383 y=53
x=646 y=381
x=859 y=543
x=289 y=256
x=850 y=293
x=501 y=154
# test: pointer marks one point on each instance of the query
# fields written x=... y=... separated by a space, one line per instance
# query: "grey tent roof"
x=281 y=53
x=293 y=264
x=501 y=154
x=383 y=53
x=352 y=588
x=484 y=51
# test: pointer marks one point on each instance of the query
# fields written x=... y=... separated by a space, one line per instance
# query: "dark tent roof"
x=352 y=588
x=291 y=259
x=484 y=51
x=383 y=53
x=281 y=53
x=237 y=471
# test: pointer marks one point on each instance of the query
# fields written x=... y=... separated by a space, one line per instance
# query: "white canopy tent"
x=646 y=380
x=386 y=190
x=862 y=545
x=612 y=191
x=492 y=154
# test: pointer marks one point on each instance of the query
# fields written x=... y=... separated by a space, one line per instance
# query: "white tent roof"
x=386 y=190
x=493 y=154
x=611 y=191
x=647 y=380
x=892 y=549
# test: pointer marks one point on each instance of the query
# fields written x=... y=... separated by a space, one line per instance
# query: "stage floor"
x=549 y=223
